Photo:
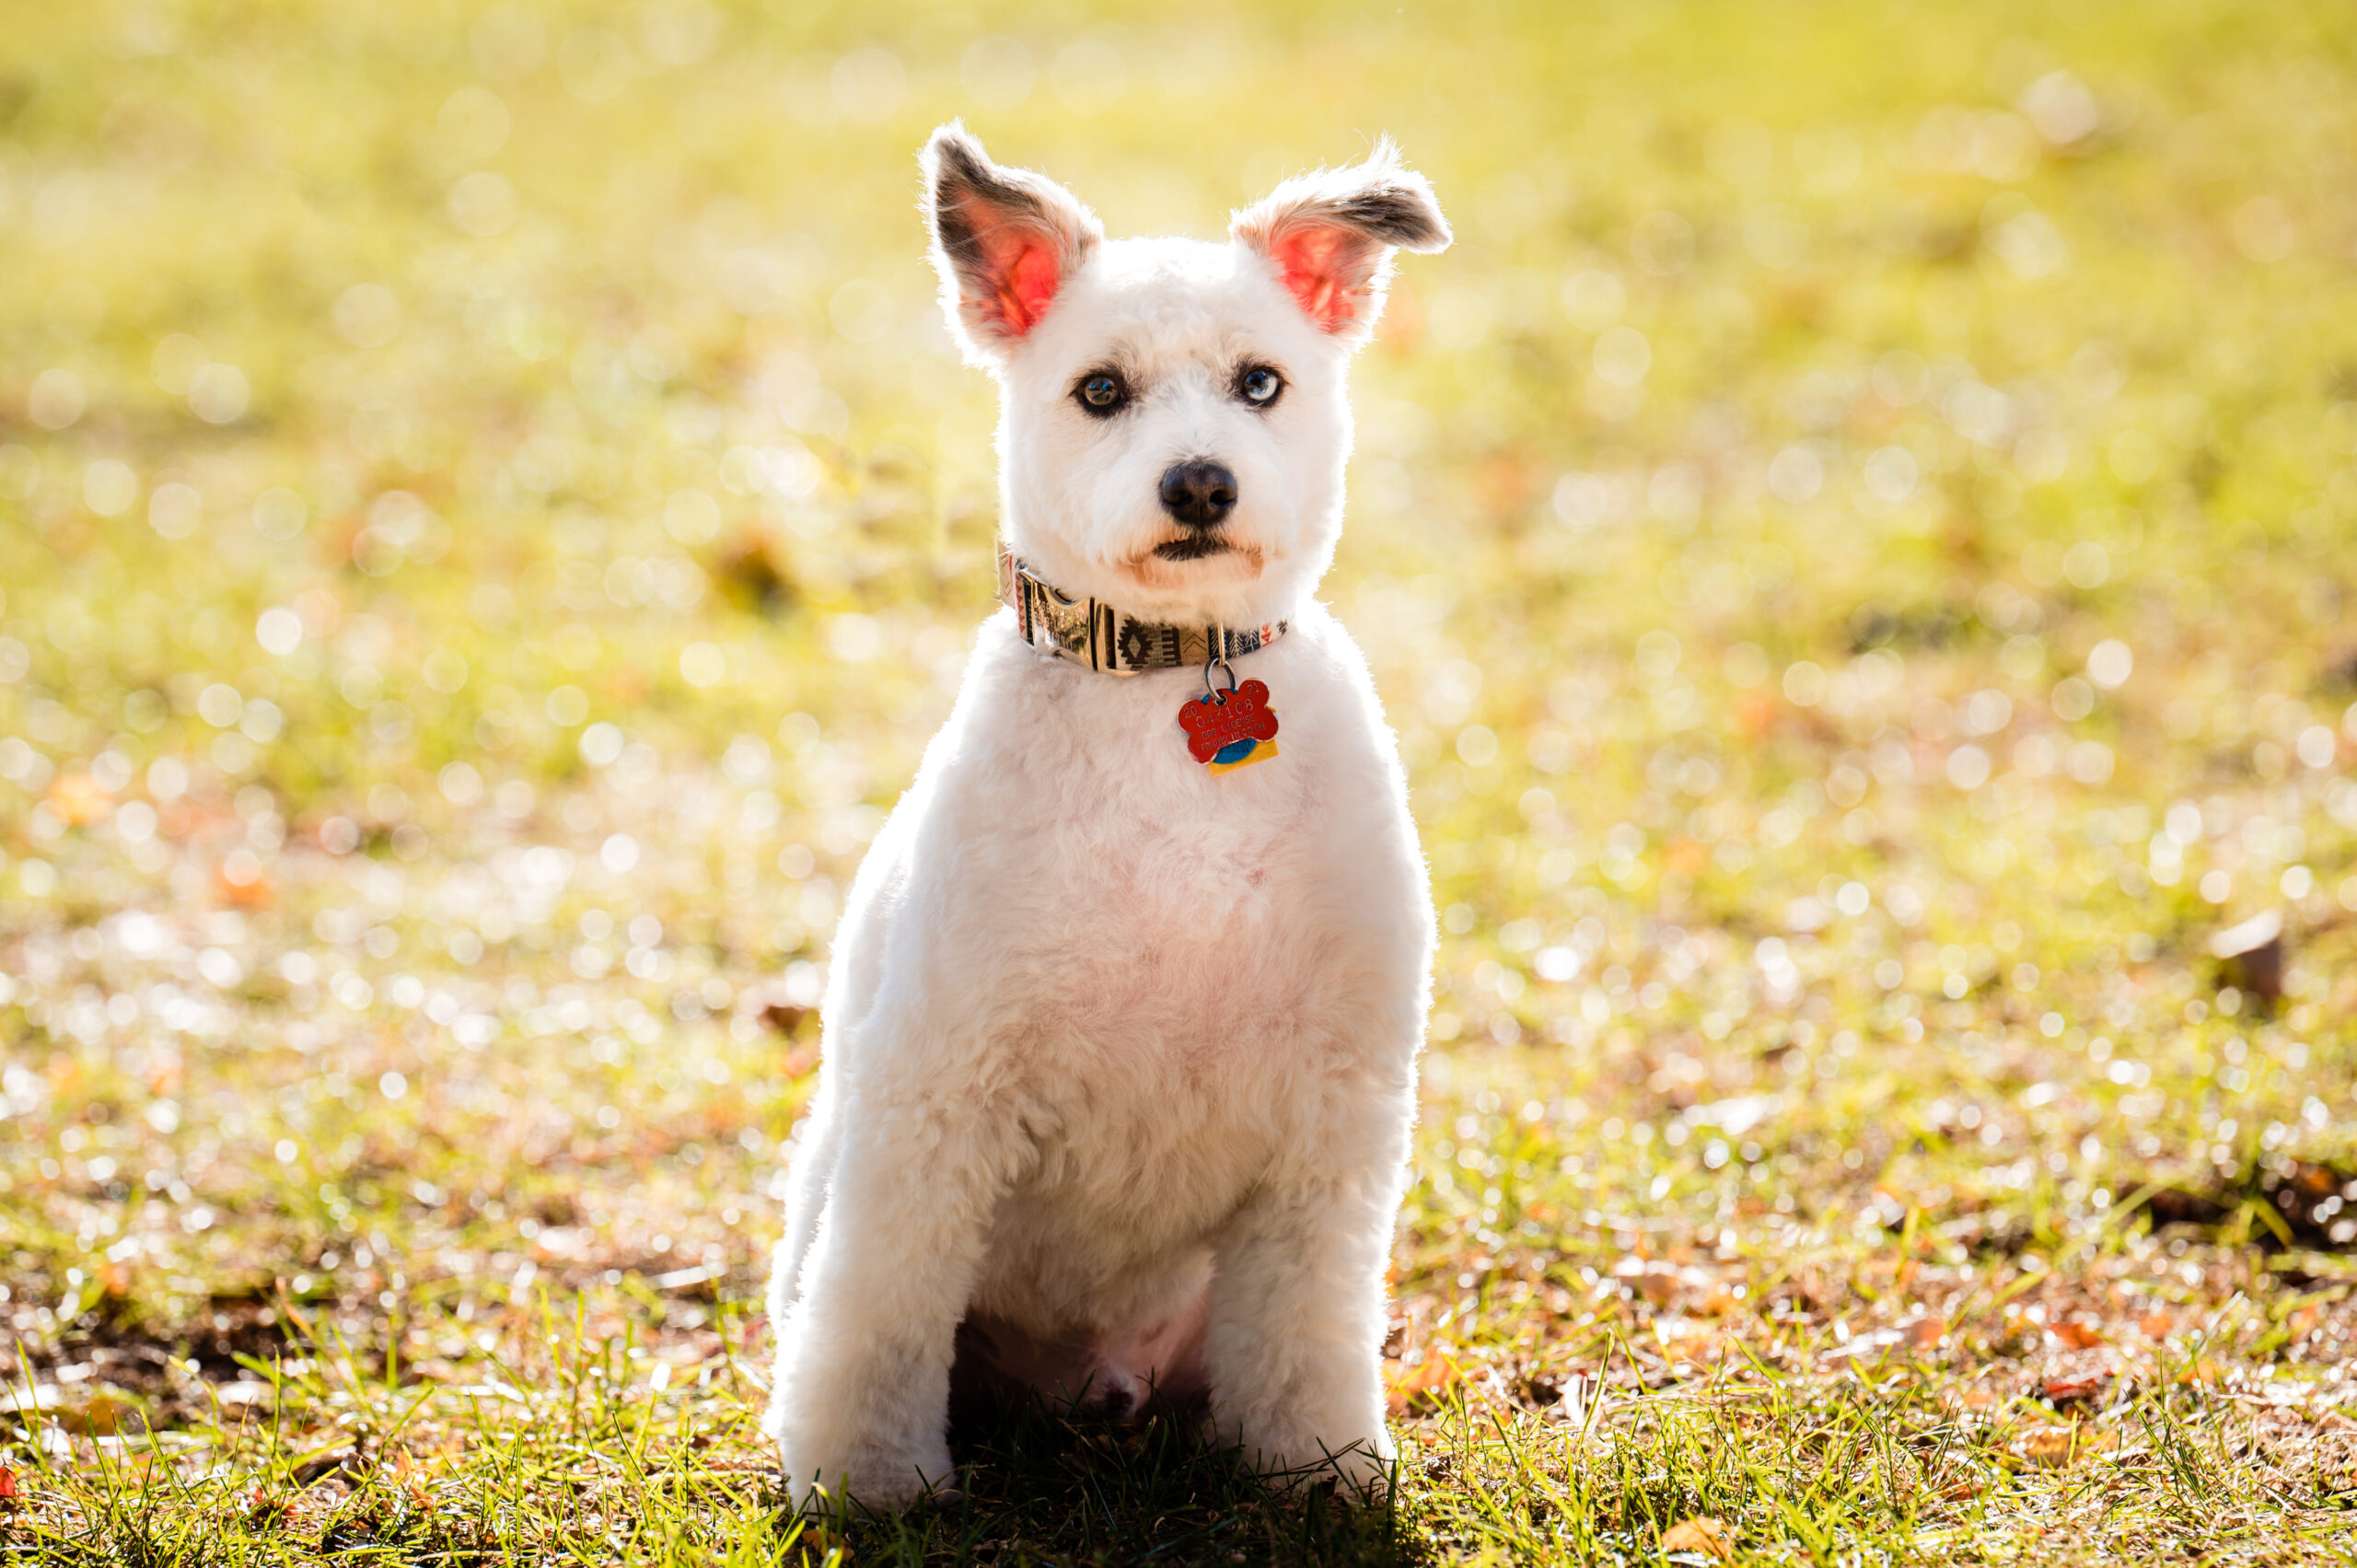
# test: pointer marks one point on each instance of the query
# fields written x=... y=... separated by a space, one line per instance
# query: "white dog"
x=1119 y=1041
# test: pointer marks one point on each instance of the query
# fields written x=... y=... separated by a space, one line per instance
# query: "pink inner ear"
x=1029 y=289
x=1313 y=260
x=1020 y=275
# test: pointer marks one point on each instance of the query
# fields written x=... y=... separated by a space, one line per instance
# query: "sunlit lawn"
x=1856 y=539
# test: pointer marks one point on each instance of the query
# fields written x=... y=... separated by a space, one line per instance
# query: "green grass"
x=1856 y=540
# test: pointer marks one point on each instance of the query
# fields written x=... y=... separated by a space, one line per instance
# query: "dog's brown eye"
x=1259 y=384
x=1103 y=392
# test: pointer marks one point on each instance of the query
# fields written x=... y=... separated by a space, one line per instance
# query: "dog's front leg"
x=1294 y=1350
x=813 y=1175
x=861 y=1405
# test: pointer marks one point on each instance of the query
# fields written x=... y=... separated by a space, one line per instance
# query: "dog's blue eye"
x=1101 y=391
x=1261 y=385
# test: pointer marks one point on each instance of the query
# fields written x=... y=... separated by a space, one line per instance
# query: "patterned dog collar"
x=1090 y=632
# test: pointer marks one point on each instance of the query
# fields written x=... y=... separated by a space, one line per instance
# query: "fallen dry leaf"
x=1708 y=1535
x=2052 y=1449
x=2078 y=1336
x=100 y=1416
x=1413 y=1383
x=1926 y=1333
x=2085 y=1385
x=7 y=1484
x=2057 y=1446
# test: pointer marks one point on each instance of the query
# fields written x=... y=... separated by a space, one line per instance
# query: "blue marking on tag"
x=1234 y=751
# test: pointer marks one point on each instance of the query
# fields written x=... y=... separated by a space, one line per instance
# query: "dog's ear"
x=1004 y=242
x=1331 y=236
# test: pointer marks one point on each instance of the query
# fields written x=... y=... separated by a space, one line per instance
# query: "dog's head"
x=1174 y=419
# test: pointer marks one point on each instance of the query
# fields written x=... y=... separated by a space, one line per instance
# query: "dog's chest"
x=1177 y=922
x=1142 y=899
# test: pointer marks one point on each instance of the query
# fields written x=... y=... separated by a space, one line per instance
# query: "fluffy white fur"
x=1119 y=1055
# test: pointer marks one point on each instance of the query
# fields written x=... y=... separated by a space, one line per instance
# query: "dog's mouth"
x=1192 y=561
x=1192 y=547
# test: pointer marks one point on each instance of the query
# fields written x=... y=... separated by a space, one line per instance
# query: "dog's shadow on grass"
x=1039 y=1486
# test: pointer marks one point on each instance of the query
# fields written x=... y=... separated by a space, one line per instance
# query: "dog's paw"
x=871 y=1481
x=1361 y=1469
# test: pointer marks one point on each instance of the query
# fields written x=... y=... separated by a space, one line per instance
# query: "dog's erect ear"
x=1005 y=241
x=1331 y=236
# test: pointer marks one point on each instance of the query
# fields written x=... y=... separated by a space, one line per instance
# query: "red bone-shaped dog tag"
x=1211 y=724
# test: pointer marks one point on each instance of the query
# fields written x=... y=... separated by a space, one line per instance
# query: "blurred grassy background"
x=1855 y=538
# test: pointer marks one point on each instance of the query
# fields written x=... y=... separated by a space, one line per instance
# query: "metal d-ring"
x=1218 y=661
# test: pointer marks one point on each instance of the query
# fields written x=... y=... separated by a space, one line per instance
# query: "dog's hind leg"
x=862 y=1402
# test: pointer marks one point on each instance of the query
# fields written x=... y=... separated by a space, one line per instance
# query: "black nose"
x=1198 y=493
